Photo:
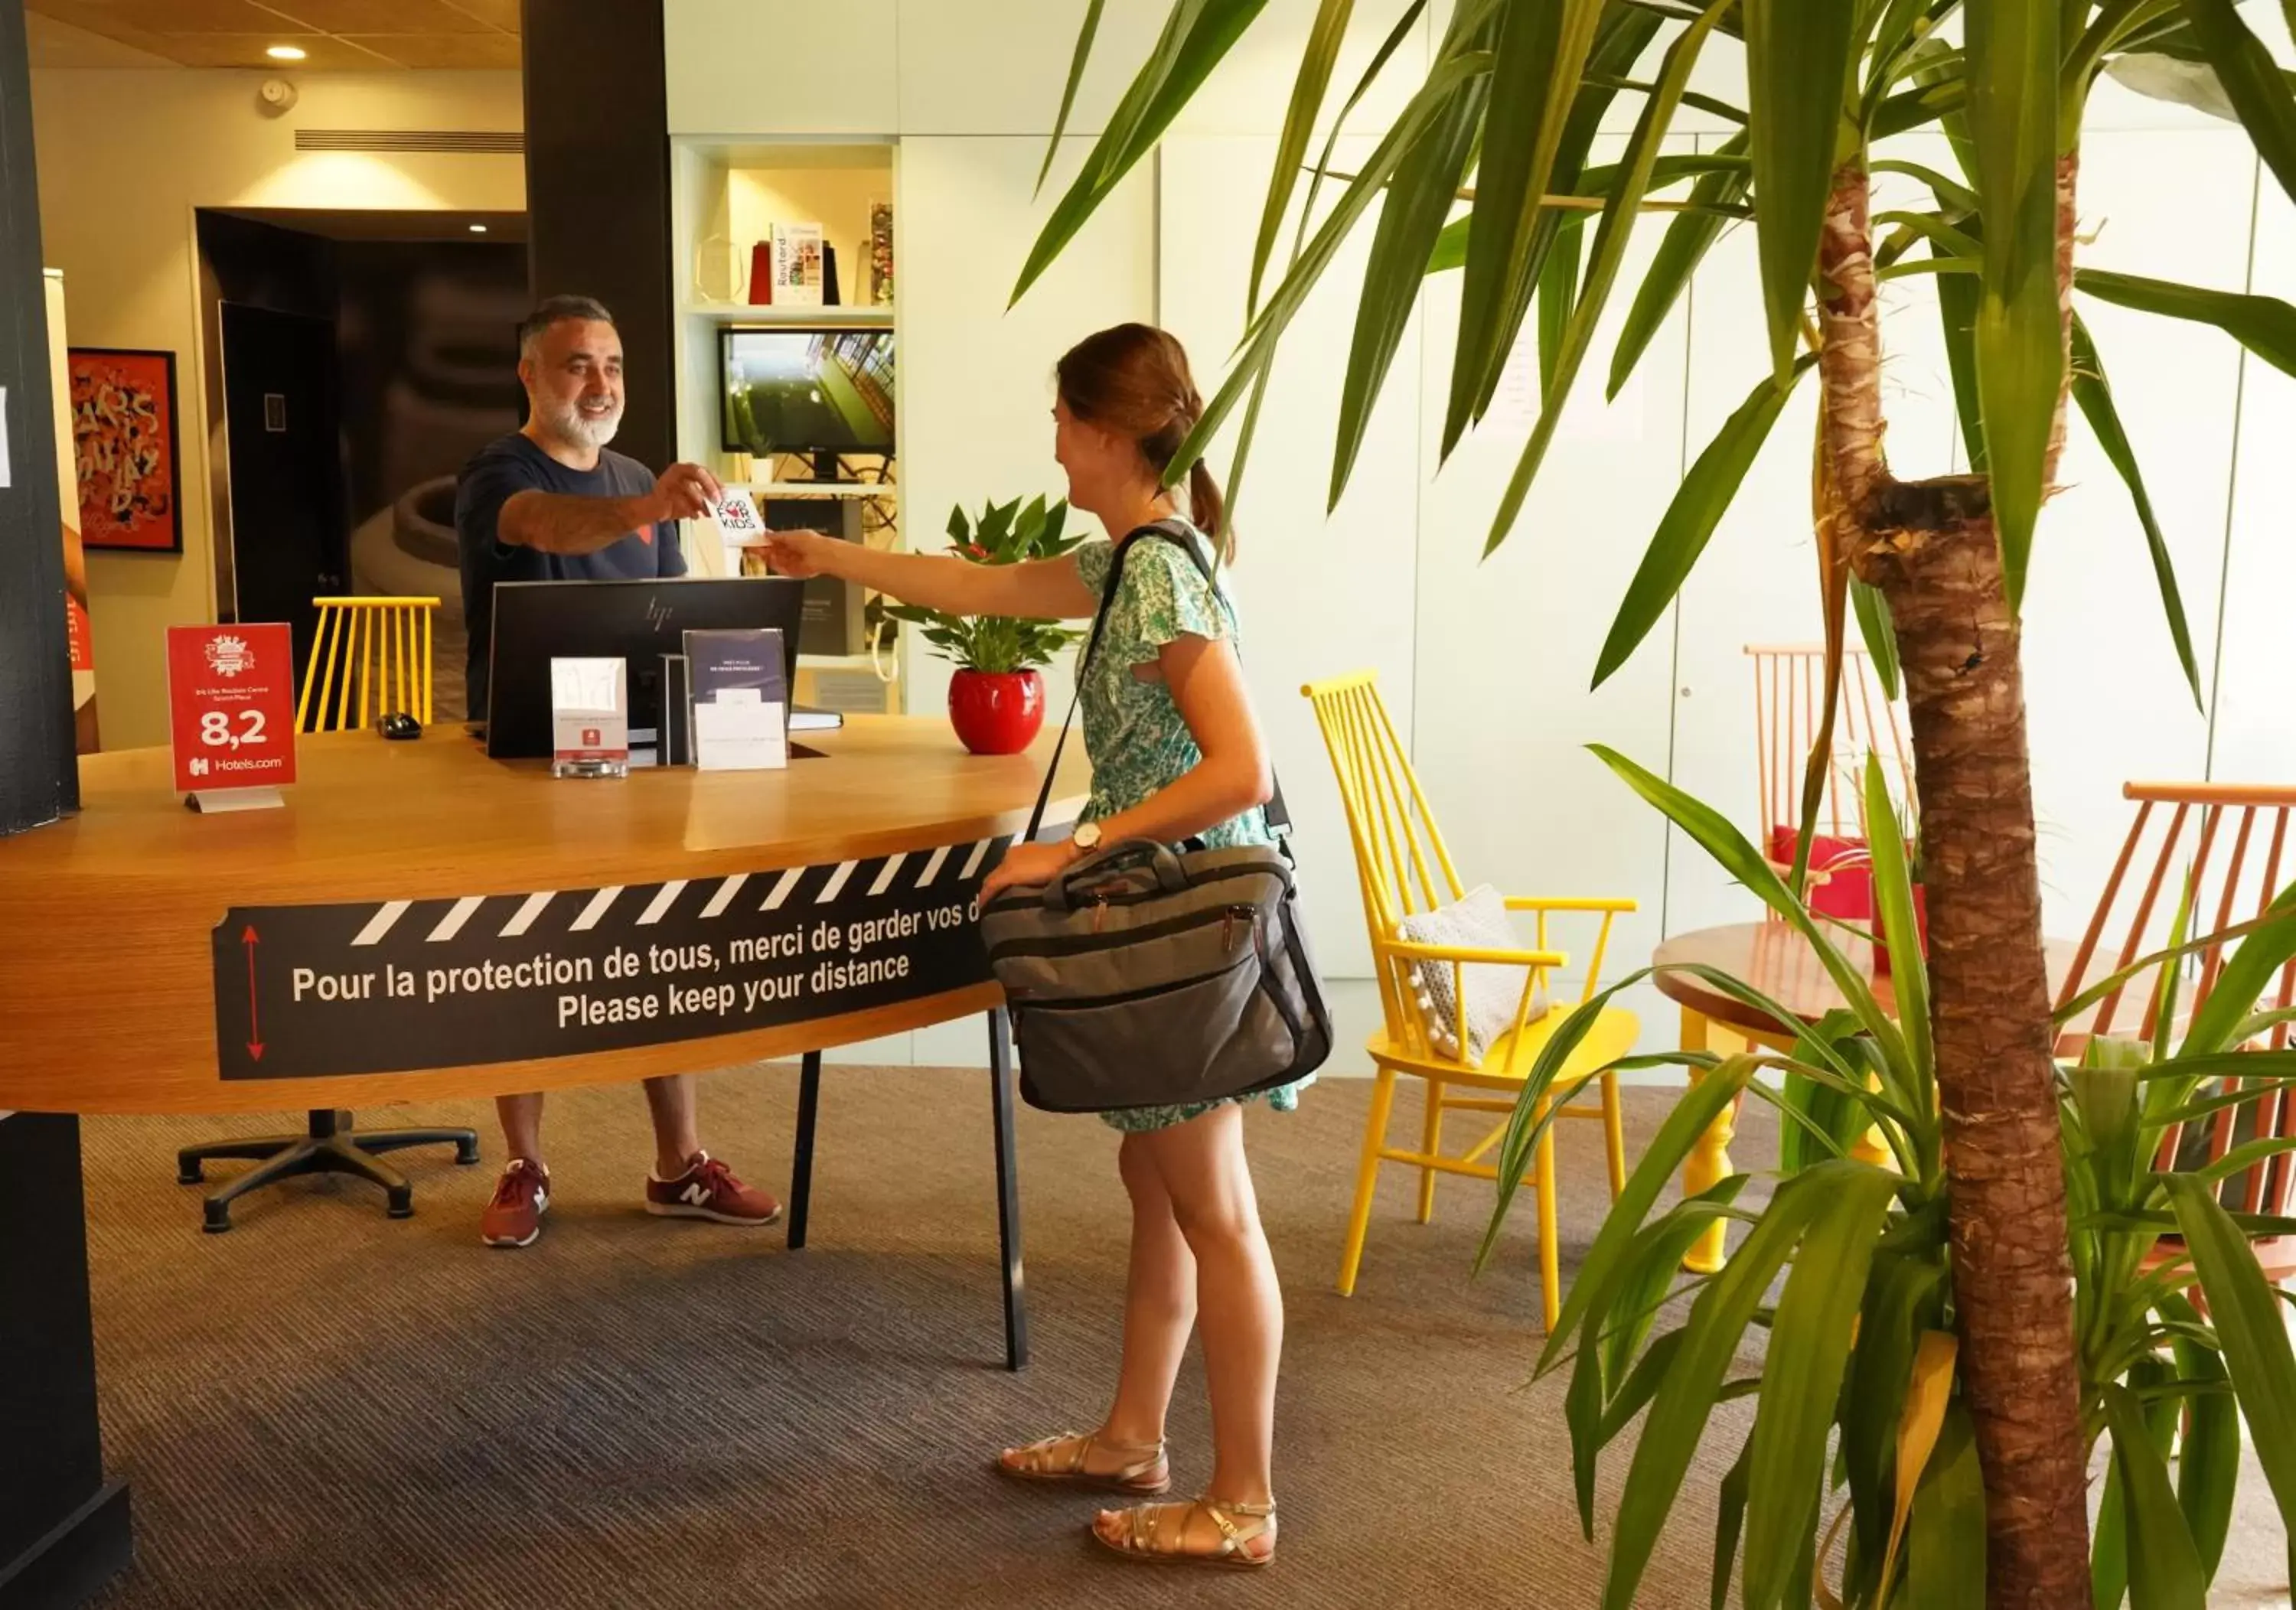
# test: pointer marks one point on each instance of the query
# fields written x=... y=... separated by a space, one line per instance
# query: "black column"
x=597 y=190
x=39 y=776
x=63 y=1530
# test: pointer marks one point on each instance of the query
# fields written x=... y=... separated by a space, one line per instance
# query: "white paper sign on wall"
x=1515 y=406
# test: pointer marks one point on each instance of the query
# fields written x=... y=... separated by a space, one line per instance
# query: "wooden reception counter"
x=419 y=921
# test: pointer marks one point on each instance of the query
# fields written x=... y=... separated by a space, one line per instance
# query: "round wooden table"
x=1779 y=962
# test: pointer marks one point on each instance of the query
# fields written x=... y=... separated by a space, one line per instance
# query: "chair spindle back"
x=372 y=657
x=2219 y=852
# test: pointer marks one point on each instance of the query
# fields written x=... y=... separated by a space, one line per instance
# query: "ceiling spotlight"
x=286 y=53
x=478 y=229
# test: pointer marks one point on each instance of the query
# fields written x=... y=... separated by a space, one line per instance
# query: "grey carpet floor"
x=328 y=1409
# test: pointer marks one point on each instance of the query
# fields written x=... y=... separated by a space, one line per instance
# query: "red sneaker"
x=523 y=1196
x=708 y=1189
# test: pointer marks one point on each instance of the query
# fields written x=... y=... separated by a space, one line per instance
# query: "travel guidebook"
x=797 y=265
x=737 y=685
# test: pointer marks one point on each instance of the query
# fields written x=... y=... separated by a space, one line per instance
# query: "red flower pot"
x=996 y=712
x=1921 y=927
x=1841 y=876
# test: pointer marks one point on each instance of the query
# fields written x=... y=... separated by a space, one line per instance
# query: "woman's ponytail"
x=1209 y=510
x=1134 y=379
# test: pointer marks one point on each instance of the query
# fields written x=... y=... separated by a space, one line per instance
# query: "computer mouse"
x=398 y=723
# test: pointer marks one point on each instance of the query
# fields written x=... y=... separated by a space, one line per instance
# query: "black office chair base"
x=327 y=1148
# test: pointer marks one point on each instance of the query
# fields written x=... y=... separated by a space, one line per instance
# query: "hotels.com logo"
x=199 y=766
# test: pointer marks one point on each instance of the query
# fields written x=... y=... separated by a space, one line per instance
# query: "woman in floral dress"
x=1177 y=754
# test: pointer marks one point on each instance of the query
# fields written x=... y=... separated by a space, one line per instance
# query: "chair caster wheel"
x=402 y=1208
x=216 y=1223
x=191 y=1174
x=466 y=1154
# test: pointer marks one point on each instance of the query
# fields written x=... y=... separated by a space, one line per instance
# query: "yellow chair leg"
x=1614 y=1134
x=1550 y=1254
x=1709 y=1162
x=1383 y=1103
x=1871 y=1147
x=1430 y=1145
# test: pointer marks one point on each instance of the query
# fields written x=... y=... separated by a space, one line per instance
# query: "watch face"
x=1088 y=836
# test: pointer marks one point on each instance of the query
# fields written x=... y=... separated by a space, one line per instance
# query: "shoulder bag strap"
x=1182 y=535
x=1092 y=647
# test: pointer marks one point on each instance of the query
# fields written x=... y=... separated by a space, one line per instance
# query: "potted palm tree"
x=1932 y=569
x=996 y=699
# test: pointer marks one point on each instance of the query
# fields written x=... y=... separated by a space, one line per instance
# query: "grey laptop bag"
x=1151 y=975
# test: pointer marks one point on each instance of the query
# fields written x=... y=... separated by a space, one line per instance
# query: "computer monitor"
x=635 y=621
x=818 y=392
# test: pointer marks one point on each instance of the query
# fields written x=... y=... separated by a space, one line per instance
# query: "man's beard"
x=585 y=431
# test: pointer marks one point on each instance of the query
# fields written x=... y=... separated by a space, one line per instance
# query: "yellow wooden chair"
x=372 y=657
x=1405 y=870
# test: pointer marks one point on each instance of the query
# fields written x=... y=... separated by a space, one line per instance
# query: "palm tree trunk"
x=1932 y=549
x=1849 y=347
x=1936 y=558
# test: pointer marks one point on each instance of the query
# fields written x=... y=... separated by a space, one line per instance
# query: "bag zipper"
x=1023 y=1005
x=1077 y=944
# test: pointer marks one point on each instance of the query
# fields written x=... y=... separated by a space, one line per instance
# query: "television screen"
x=807 y=390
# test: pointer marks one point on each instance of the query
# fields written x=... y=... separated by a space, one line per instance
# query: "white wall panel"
x=978 y=70
x=1507 y=645
x=1321 y=595
x=1000 y=70
x=976 y=379
x=1756 y=582
x=783 y=67
x=2106 y=701
x=2255 y=739
x=1250 y=91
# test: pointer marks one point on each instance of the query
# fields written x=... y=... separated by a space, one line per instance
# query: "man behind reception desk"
x=550 y=502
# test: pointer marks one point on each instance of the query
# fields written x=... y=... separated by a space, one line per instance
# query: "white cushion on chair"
x=1493 y=989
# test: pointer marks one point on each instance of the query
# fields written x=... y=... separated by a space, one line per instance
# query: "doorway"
x=282 y=431
x=355 y=361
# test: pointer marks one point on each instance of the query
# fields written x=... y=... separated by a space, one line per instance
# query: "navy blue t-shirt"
x=512 y=464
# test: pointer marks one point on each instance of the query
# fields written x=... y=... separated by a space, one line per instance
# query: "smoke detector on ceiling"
x=278 y=96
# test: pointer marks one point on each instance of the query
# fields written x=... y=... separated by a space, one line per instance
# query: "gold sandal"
x=1061 y=1459
x=1145 y=1542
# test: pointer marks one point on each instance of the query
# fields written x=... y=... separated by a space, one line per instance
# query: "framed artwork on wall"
x=123 y=422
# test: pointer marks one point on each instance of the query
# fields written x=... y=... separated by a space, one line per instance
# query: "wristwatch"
x=1087 y=838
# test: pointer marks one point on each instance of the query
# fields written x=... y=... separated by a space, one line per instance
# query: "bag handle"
x=1182 y=535
x=1171 y=877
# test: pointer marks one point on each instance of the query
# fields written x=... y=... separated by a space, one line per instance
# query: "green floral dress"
x=1138 y=740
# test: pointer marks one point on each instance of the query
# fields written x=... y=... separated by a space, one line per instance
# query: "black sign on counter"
x=317 y=991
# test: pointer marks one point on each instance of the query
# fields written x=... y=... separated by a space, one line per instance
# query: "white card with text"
x=739 y=521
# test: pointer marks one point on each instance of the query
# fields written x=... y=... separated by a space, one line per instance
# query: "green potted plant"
x=996 y=699
x=1858 y=1484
